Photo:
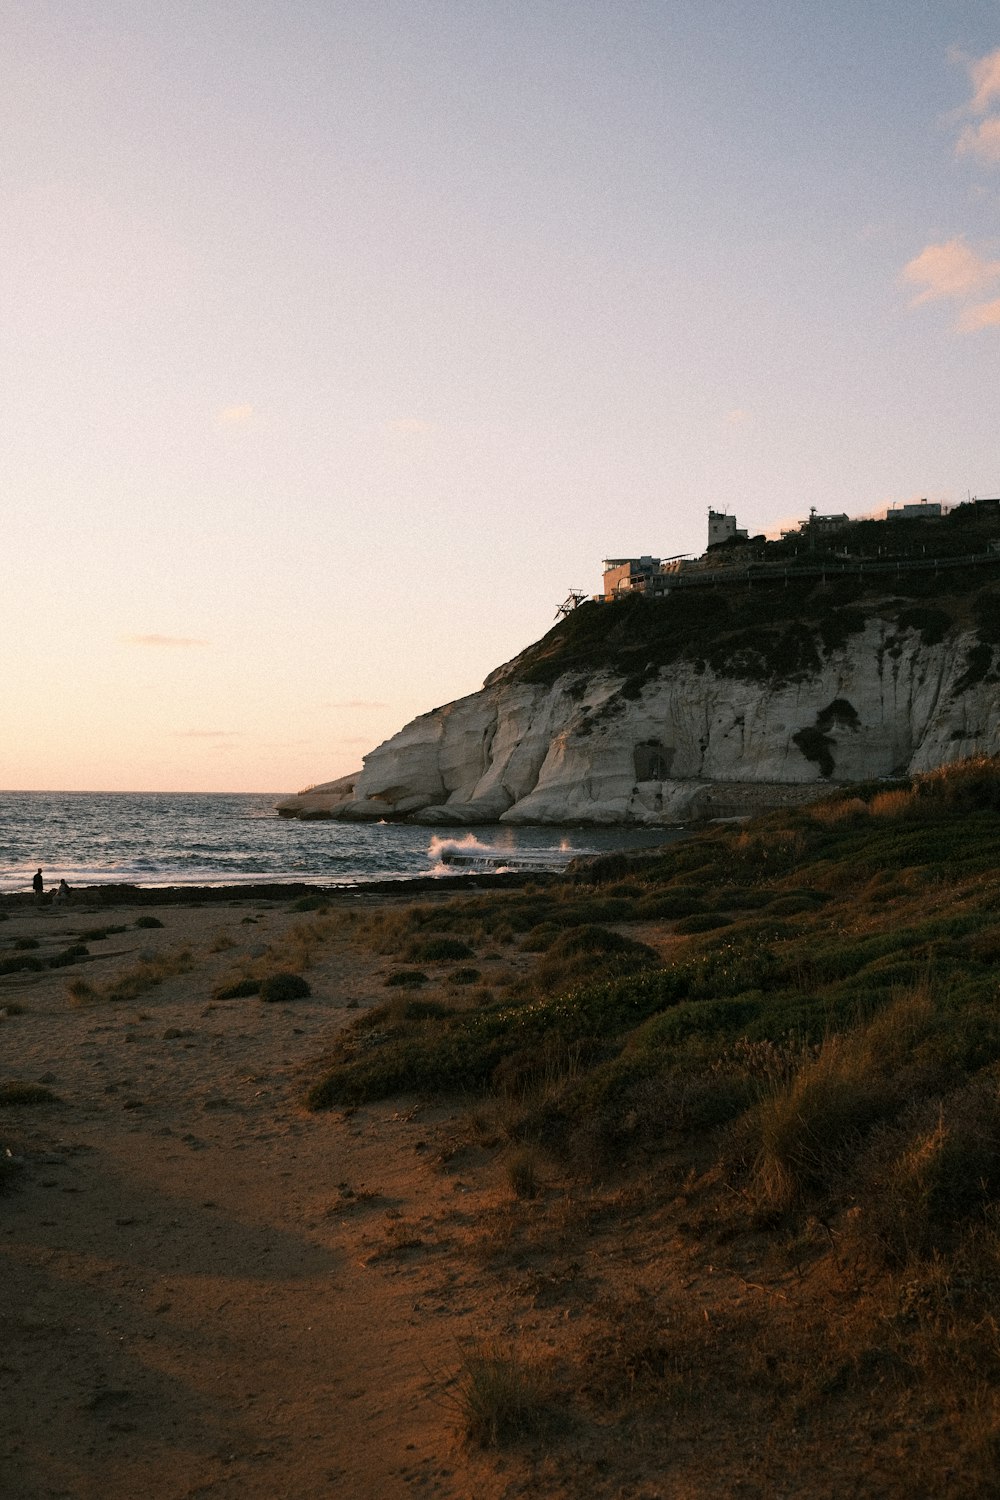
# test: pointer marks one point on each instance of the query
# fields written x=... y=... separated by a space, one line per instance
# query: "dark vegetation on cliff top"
x=796 y=1023
x=778 y=627
x=767 y=631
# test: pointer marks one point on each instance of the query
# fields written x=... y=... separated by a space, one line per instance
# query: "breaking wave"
x=450 y=855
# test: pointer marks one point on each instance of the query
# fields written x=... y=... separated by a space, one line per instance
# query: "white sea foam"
x=449 y=855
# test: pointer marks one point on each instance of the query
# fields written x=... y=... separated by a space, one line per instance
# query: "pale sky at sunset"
x=339 y=338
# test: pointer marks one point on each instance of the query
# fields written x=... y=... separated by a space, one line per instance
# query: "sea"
x=181 y=838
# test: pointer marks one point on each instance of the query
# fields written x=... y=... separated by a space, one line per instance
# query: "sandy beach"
x=209 y=1290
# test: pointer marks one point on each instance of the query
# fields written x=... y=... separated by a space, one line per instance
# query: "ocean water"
x=178 y=838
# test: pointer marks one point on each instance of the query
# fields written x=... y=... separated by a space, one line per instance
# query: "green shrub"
x=541 y=937
x=14 y=1094
x=428 y=950
x=737 y=898
x=406 y=977
x=703 y=922
x=464 y=1050
x=68 y=956
x=698 y=1018
x=280 y=987
x=669 y=904
x=315 y=901
x=578 y=955
x=21 y=964
x=236 y=989
x=412 y=1008
x=549 y=1061
x=932 y=623
x=149 y=922
x=792 y=904
x=978 y=663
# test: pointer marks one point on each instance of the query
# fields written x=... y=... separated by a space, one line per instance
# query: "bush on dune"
x=280 y=987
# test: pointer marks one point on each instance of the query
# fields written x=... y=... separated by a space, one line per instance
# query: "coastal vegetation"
x=762 y=630
x=779 y=1042
x=283 y=986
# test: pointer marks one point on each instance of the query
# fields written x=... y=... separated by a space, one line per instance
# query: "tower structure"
x=723 y=528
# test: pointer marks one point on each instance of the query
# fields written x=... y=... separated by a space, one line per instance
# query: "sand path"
x=206 y=1290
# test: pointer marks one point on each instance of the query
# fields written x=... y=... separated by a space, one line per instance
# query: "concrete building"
x=825 y=525
x=922 y=510
x=817 y=525
x=723 y=528
x=628 y=575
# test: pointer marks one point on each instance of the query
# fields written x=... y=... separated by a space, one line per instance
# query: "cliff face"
x=683 y=738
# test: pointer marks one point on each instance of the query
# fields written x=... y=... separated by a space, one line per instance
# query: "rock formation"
x=745 y=712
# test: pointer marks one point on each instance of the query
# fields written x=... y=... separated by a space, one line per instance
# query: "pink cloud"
x=952 y=269
x=980 y=315
x=982 y=140
x=985 y=75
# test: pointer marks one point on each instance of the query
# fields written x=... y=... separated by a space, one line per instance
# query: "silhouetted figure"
x=62 y=894
x=38 y=885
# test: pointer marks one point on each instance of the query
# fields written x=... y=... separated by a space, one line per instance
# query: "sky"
x=339 y=339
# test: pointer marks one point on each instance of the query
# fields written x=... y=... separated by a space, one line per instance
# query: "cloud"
x=984 y=73
x=982 y=140
x=409 y=424
x=162 y=640
x=356 y=703
x=738 y=417
x=207 y=734
x=950 y=270
x=234 y=416
x=980 y=315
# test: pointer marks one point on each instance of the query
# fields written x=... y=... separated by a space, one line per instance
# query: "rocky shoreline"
x=92 y=896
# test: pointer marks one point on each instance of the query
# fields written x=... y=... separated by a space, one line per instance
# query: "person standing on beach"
x=38 y=885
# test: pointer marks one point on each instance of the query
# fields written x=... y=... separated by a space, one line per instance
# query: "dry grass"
x=803 y=1123
x=297 y=949
x=843 y=810
x=299 y=946
x=895 y=804
x=500 y=1397
x=134 y=981
x=522 y=1174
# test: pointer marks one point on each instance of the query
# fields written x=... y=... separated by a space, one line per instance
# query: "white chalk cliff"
x=685 y=741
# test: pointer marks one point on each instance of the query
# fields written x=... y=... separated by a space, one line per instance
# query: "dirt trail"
x=207 y=1291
